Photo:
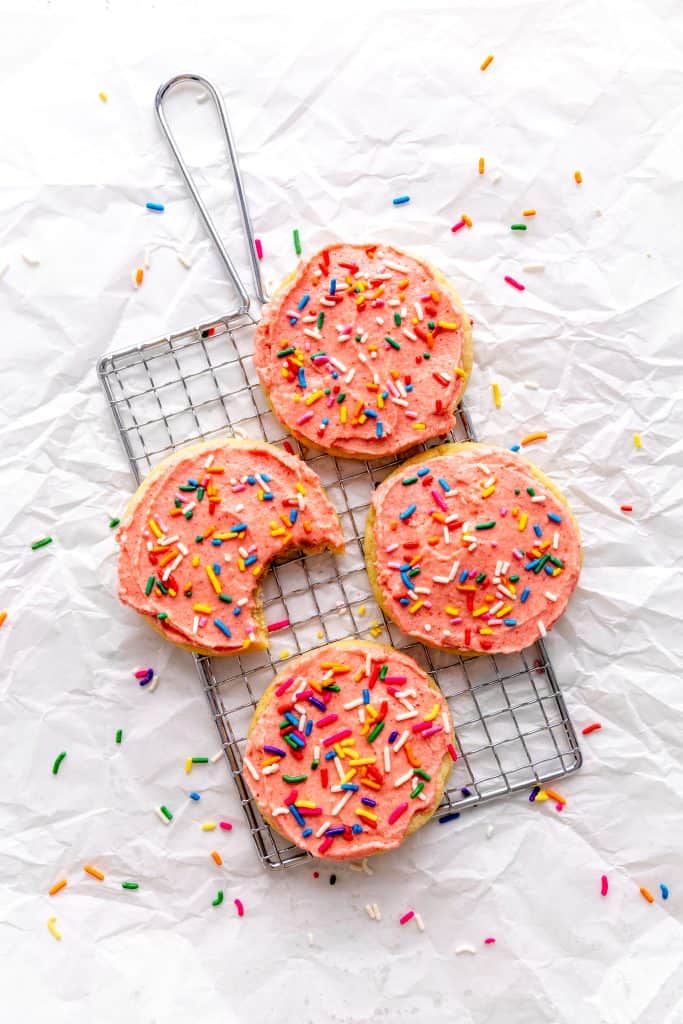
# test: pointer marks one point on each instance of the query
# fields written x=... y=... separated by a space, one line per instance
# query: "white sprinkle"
x=353 y=704
x=400 y=741
x=183 y=550
x=209 y=461
x=195 y=624
x=350 y=375
x=531 y=385
x=538 y=497
x=532 y=268
x=541 y=628
x=409 y=334
x=419 y=922
x=441 y=579
x=489 y=831
x=161 y=816
x=379 y=320
x=184 y=259
x=427 y=627
x=464 y=949
x=418 y=311
x=31 y=259
x=446 y=723
x=217 y=756
x=271 y=769
x=387 y=760
x=316 y=335
x=405 y=716
x=279 y=811
x=496 y=607
x=153 y=685
x=361 y=716
x=340 y=771
x=316 y=753
x=250 y=768
x=323 y=828
x=401 y=694
x=378 y=916
x=404 y=778
x=338 y=808
x=556 y=540
x=396 y=266
x=551 y=597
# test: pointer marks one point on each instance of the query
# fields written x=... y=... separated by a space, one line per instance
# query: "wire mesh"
x=512 y=726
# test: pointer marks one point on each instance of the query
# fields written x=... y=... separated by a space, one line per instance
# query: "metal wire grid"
x=512 y=725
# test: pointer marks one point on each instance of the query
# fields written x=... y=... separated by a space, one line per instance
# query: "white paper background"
x=334 y=115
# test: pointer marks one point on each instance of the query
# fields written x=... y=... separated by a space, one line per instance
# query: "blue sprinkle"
x=325 y=419
x=371 y=413
x=405 y=567
x=393 y=737
x=532 y=564
x=335 y=375
x=317 y=703
x=510 y=622
x=236 y=611
x=351 y=786
x=159 y=207
x=333 y=285
x=444 y=485
x=193 y=483
x=665 y=890
x=400 y=200
x=465 y=791
x=216 y=543
x=403 y=600
x=293 y=320
x=448 y=817
x=291 y=719
x=194 y=796
x=385 y=394
x=238 y=528
x=251 y=479
x=306 y=833
x=368 y=802
x=274 y=750
x=356 y=829
x=525 y=593
x=309 y=727
x=537 y=530
x=338 y=830
x=366 y=696
x=463 y=575
x=302 y=377
x=303 y=302
x=406 y=581
x=407 y=512
x=549 y=569
x=250 y=560
x=295 y=814
x=423 y=471
x=296 y=740
x=292 y=516
x=265 y=477
x=408 y=387
x=223 y=628
x=330 y=755
x=217 y=568
x=378 y=428
x=554 y=518
x=515 y=447
x=534 y=793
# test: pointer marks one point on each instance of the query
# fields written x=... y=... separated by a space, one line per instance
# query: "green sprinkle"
x=162 y=616
x=541 y=563
x=225 y=597
x=340 y=397
x=161 y=587
x=200 y=760
x=188 y=514
x=200 y=493
x=517 y=490
x=113 y=522
x=199 y=538
x=177 y=502
x=426 y=355
x=409 y=480
x=556 y=562
x=383 y=671
x=314 y=765
x=415 y=571
x=423 y=774
x=321 y=319
x=486 y=526
x=431 y=325
x=129 y=885
x=480 y=578
x=297 y=242
x=41 y=543
x=316 y=354
x=219 y=899
x=513 y=579
x=58 y=760
x=332 y=686
x=294 y=778
x=166 y=813
x=418 y=789
x=119 y=735
x=328 y=391
x=291 y=743
x=286 y=352
x=530 y=491
x=397 y=319
x=394 y=344
x=149 y=586
x=187 y=487
x=518 y=227
x=376 y=731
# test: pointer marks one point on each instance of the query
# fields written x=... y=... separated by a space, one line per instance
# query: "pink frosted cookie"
x=472 y=548
x=349 y=750
x=364 y=351
x=201 y=531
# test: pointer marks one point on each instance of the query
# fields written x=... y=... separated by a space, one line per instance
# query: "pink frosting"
x=487 y=580
x=413 y=711
x=340 y=383
x=184 y=520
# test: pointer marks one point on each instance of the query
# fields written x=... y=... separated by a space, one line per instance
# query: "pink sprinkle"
x=515 y=284
x=439 y=500
x=310 y=810
x=456 y=227
x=422 y=726
x=284 y=686
x=305 y=418
x=558 y=807
x=517 y=553
x=280 y=624
x=432 y=732
x=326 y=720
x=487 y=942
x=336 y=737
x=225 y=825
x=202 y=621
x=239 y=487
x=326 y=844
x=397 y=812
x=240 y=908
x=259 y=248
x=390 y=680
x=452 y=751
x=410 y=415
x=604 y=885
x=142 y=672
x=407 y=917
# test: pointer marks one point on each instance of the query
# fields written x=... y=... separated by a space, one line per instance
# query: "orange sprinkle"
x=412 y=760
x=3 y=616
x=540 y=435
x=90 y=870
x=482 y=165
x=56 y=887
x=646 y=894
x=578 y=177
x=466 y=219
x=139 y=274
x=486 y=63
x=528 y=213
x=556 y=796
x=217 y=857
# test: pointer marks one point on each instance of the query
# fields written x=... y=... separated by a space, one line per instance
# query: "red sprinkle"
x=627 y=508
x=280 y=624
x=326 y=844
x=487 y=942
x=259 y=248
x=284 y=686
x=515 y=284
x=453 y=752
x=287 y=447
x=407 y=917
x=240 y=908
x=604 y=885
x=591 y=728
x=458 y=226
x=225 y=825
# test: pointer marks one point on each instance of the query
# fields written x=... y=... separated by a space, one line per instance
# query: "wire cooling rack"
x=513 y=730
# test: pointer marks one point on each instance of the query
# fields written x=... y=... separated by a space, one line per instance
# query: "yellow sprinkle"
x=540 y=435
x=270 y=760
x=304 y=803
x=495 y=388
x=637 y=441
x=489 y=491
x=103 y=96
x=522 y=521
x=195 y=561
x=349 y=775
x=213 y=578
x=371 y=711
x=431 y=715
x=208 y=826
x=53 y=929
x=486 y=630
x=468 y=220
x=342 y=414
x=313 y=397
x=90 y=870
x=154 y=528
x=528 y=213
x=361 y=610
x=480 y=611
x=447 y=325
x=482 y=166
x=283 y=655
x=358 y=762
x=368 y=815
x=486 y=62
x=504 y=611
x=300 y=488
x=419 y=426
x=415 y=607
x=450 y=610
x=458 y=371
x=578 y=177
x=188 y=765
x=376 y=630
x=339 y=751
x=646 y=894
x=205 y=609
x=56 y=887
x=541 y=796
x=320 y=634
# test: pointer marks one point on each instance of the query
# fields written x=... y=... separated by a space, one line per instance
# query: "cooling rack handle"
x=161 y=95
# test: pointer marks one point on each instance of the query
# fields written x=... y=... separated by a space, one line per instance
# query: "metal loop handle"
x=162 y=92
